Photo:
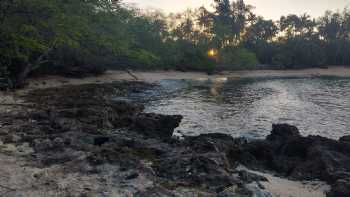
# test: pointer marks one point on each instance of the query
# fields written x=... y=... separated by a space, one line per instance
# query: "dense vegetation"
x=71 y=36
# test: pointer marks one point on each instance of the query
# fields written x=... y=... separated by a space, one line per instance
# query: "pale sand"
x=282 y=187
x=336 y=71
x=154 y=76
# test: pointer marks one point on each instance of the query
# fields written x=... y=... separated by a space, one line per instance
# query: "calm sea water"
x=249 y=107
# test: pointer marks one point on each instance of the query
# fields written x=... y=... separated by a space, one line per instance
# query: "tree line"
x=79 y=37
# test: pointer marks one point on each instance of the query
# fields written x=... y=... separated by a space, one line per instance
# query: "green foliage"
x=303 y=41
x=143 y=59
x=186 y=56
x=52 y=36
x=60 y=36
x=299 y=52
x=195 y=60
x=237 y=58
x=32 y=30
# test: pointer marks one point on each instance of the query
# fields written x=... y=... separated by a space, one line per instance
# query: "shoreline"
x=61 y=124
x=7 y=99
x=155 y=76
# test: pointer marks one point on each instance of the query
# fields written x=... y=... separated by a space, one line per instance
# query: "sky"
x=270 y=9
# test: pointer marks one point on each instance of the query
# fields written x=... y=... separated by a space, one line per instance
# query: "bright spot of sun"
x=212 y=53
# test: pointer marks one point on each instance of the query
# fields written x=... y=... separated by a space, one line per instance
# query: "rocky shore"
x=83 y=141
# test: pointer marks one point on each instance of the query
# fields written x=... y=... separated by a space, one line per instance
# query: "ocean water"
x=248 y=107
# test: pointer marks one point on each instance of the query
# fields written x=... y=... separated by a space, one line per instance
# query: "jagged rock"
x=155 y=192
x=156 y=125
x=125 y=108
x=11 y=138
x=283 y=131
x=133 y=175
x=215 y=142
x=99 y=141
x=58 y=142
x=303 y=158
x=84 y=130
x=345 y=139
x=249 y=177
x=254 y=190
x=208 y=170
x=340 y=189
x=43 y=145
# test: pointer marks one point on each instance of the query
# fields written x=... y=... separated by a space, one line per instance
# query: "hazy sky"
x=271 y=9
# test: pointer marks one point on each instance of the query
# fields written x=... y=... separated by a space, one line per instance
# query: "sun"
x=212 y=52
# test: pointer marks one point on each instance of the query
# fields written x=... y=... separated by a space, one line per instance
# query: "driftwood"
x=15 y=104
x=132 y=74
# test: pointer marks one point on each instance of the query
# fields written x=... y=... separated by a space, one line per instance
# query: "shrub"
x=196 y=60
x=299 y=52
x=143 y=59
x=237 y=58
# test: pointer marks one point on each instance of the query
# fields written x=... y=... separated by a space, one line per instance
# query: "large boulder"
x=283 y=132
x=345 y=139
x=209 y=171
x=212 y=142
x=340 y=189
x=156 y=125
x=298 y=157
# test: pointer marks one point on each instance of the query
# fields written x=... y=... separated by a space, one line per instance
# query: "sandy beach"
x=154 y=76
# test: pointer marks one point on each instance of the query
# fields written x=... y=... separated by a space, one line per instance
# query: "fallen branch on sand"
x=132 y=74
x=16 y=104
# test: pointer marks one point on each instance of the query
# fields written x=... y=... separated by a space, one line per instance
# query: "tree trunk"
x=22 y=77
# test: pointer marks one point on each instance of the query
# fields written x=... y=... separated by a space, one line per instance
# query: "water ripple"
x=248 y=107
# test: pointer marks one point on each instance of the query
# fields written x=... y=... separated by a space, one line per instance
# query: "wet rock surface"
x=303 y=158
x=84 y=141
x=156 y=125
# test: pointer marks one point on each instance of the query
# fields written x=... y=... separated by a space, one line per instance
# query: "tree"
x=261 y=30
x=259 y=38
x=229 y=21
x=294 y=25
x=334 y=30
x=64 y=36
x=33 y=33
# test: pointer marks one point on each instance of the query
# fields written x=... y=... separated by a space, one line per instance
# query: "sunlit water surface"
x=248 y=107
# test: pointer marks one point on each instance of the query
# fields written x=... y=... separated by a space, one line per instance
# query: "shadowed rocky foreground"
x=78 y=141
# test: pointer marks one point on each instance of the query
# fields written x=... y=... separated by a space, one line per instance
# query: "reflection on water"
x=248 y=107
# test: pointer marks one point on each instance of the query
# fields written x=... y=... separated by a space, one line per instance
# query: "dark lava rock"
x=99 y=141
x=126 y=109
x=43 y=145
x=283 y=132
x=133 y=175
x=340 y=189
x=156 y=192
x=291 y=155
x=209 y=171
x=83 y=125
x=249 y=177
x=156 y=125
x=214 y=142
x=345 y=139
